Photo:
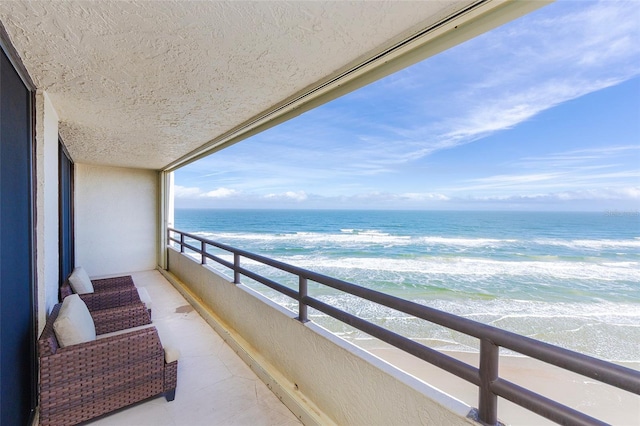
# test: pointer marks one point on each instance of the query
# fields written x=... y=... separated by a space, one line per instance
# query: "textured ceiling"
x=142 y=83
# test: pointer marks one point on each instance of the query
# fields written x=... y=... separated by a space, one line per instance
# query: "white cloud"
x=186 y=192
x=399 y=199
x=220 y=193
x=599 y=194
x=429 y=196
x=289 y=195
x=519 y=181
x=182 y=192
x=576 y=179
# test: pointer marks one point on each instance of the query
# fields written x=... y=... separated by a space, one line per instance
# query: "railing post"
x=488 y=401
x=302 y=292
x=181 y=242
x=203 y=250
x=236 y=268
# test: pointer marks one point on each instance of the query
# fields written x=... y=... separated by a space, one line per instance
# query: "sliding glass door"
x=17 y=331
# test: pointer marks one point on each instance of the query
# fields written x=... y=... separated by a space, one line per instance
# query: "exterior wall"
x=47 y=264
x=344 y=383
x=115 y=219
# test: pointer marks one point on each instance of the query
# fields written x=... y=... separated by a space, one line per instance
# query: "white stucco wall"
x=343 y=383
x=47 y=265
x=115 y=219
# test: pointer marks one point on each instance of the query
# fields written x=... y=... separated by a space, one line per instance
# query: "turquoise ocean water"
x=571 y=279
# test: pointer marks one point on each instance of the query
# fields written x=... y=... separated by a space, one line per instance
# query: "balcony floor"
x=214 y=385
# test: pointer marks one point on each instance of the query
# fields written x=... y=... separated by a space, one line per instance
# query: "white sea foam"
x=304 y=239
x=371 y=236
x=465 y=242
x=591 y=244
x=478 y=267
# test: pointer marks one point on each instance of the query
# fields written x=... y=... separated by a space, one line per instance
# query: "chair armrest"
x=105 y=284
x=111 y=298
x=114 y=319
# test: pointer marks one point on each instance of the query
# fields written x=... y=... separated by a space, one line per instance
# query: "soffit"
x=141 y=84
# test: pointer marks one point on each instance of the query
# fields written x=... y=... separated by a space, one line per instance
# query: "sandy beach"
x=601 y=401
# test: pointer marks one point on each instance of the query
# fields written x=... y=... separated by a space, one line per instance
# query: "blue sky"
x=540 y=114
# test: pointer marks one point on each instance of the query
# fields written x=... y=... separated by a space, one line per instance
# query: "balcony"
x=127 y=115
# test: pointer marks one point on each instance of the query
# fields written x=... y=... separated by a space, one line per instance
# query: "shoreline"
x=604 y=402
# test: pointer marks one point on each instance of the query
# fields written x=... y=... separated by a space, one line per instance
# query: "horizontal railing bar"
x=446 y=362
x=616 y=375
x=193 y=248
x=208 y=255
x=219 y=260
x=269 y=283
x=541 y=405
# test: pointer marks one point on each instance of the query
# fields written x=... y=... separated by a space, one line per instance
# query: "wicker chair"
x=86 y=380
x=108 y=293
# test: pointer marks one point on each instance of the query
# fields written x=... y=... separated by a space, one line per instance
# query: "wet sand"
x=601 y=401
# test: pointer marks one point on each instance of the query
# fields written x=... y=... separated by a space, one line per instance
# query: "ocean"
x=570 y=279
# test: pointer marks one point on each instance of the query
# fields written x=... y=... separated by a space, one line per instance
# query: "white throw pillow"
x=74 y=323
x=80 y=282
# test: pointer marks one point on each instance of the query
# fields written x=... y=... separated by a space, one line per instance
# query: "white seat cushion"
x=80 y=281
x=171 y=352
x=144 y=297
x=74 y=323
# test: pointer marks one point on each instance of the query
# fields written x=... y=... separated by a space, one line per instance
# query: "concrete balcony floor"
x=215 y=387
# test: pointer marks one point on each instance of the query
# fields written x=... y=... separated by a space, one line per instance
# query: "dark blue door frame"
x=66 y=213
x=18 y=361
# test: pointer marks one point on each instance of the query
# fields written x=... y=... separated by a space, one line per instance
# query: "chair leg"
x=170 y=395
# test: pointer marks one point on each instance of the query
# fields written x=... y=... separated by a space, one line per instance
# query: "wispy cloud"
x=579 y=157
x=590 y=195
x=510 y=75
x=534 y=182
x=582 y=169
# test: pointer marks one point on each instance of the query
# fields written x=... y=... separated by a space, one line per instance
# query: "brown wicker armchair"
x=86 y=380
x=108 y=293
